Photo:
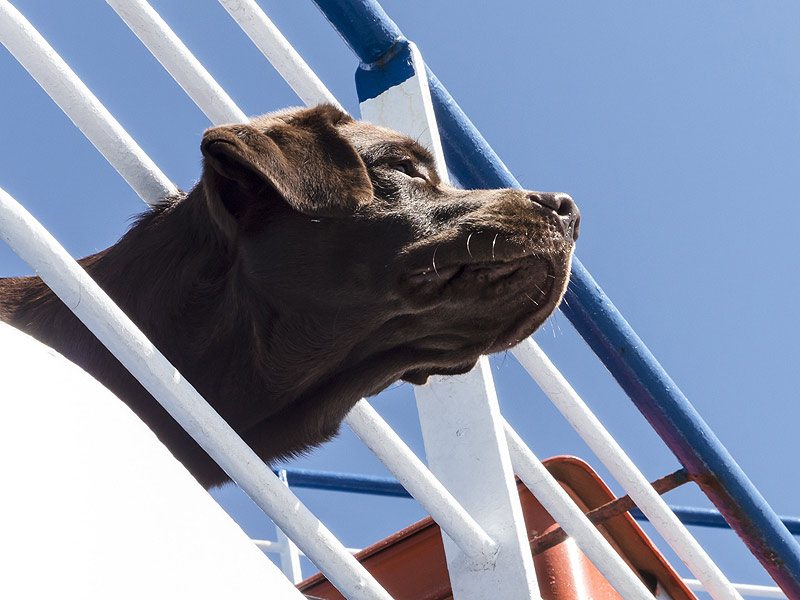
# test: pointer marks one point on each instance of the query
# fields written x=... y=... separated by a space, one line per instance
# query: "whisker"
x=434 y=261
x=468 y=250
x=494 y=241
x=531 y=299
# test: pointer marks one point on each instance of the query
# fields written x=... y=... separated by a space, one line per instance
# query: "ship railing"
x=480 y=533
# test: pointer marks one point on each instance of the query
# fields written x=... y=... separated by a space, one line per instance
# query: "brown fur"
x=318 y=260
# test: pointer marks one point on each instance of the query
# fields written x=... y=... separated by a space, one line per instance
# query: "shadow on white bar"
x=34 y=244
x=81 y=106
x=603 y=444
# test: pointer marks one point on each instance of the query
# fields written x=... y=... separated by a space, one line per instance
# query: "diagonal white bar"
x=570 y=517
x=34 y=244
x=635 y=484
x=81 y=106
x=409 y=470
x=748 y=590
x=279 y=52
x=175 y=57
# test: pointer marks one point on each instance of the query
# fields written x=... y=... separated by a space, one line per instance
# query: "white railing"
x=748 y=590
x=113 y=328
x=81 y=106
x=175 y=57
x=635 y=484
x=34 y=244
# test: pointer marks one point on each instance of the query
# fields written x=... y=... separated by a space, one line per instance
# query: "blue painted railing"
x=374 y=38
x=387 y=486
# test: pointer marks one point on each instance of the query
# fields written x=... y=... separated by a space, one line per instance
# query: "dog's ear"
x=301 y=160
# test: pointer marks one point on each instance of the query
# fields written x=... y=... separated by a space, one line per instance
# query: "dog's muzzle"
x=563 y=206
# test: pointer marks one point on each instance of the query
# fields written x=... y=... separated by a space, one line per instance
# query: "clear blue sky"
x=675 y=126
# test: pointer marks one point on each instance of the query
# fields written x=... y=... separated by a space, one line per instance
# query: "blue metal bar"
x=386 y=486
x=345 y=482
x=371 y=34
x=708 y=517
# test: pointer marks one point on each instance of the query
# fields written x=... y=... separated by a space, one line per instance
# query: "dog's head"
x=370 y=267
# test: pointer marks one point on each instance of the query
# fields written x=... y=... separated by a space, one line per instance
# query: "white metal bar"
x=409 y=470
x=277 y=547
x=81 y=106
x=745 y=589
x=179 y=62
x=635 y=484
x=408 y=107
x=34 y=244
x=460 y=416
x=466 y=449
x=290 y=555
x=269 y=546
x=572 y=520
x=278 y=51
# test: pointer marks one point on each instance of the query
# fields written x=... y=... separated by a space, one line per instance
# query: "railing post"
x=290 y=555
x=459 y=416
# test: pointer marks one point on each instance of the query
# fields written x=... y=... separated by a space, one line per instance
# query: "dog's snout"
x=563 y=205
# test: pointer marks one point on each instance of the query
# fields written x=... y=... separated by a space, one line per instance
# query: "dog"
x=318 y=260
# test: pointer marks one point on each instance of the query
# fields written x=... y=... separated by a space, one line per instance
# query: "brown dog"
x=318 y=260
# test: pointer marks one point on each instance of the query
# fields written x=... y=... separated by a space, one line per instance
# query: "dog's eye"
x=407 y=168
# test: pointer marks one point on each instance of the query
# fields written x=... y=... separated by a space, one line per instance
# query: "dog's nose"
x=563 y=205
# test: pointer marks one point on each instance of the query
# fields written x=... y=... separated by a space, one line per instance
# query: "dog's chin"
x=507 y=301
x=512 y=321
x=421 y=376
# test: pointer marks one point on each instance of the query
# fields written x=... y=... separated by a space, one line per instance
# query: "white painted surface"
x=459 y=416
x=580 y=417
x=122 y=517
x=81 y=106
x=34 y=244
x=418 y=480
x=289 y=554
x=279 y=52
x=175 y=57
x=465 y=445
x=570 y=517
x=408 y=107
